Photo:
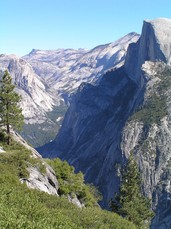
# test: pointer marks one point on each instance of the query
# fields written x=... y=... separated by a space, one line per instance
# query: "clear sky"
x=53 y=24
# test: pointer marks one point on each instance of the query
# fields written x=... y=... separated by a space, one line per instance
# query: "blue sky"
x=53 y=24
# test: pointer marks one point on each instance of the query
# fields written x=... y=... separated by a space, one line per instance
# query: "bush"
x=155 y=108
x=71 y=183
x=21 y=207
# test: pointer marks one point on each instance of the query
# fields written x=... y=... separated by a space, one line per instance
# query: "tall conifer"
x=10 y=112
x=130 y=202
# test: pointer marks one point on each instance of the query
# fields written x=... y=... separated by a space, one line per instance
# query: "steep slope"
x=36 y=100
x=147 y=134
x=39 y=102
x=153 y=45
x=37 y=204
x=90 y=135
x=96 y=136
x=47 y=83
x=30 y=166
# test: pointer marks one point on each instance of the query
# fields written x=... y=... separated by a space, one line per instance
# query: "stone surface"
x=47 y=181
x=90 y=135
x=97 y=135
x=75 y=200
x=36 y=99
x=153 y=45
x=46 y=80
x=66 y=69
x=1 y=150
x=43 y=182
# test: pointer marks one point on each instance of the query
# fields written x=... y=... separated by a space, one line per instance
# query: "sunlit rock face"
x=46 y=80
x=36 y=100
x=100 y=129
x=153 y=45
x=65 y=69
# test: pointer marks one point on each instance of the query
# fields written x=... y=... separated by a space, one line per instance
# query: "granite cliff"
x=47 y=78
x=128 y=111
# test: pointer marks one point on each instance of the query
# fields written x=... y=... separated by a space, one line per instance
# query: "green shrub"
x=21 y=207
x=153 y=111
x=155 y=108
x=71 y=183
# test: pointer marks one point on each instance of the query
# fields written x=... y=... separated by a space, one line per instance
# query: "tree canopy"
x=130 y=202
x=10 y=112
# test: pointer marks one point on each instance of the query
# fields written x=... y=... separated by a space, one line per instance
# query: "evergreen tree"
x=130 y=203
x=10 y=112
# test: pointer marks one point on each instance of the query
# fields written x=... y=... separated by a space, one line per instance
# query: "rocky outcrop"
x=44 y=182
x=74 y=199
x=41 y=175
x=153 y=45
x=36 y=100
x=128 y=111
x=150 y=141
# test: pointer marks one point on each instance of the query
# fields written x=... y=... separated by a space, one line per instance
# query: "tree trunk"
x=7 y=125
x=8 y=134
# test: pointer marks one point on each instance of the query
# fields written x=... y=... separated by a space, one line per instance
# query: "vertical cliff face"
x=47 y=78
x=153 y=45
x=129 y=111
x=148 y=135
x=91 y=133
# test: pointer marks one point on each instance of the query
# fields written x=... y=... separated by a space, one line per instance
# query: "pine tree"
x=130 y=203
x=10 y=112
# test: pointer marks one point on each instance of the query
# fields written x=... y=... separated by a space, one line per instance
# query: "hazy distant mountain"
x=128 y=111
x=65 y=69
x=46 y=78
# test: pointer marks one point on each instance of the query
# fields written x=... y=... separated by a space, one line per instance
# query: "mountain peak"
x=159 y=21
x=162 y=32
x=153 y=45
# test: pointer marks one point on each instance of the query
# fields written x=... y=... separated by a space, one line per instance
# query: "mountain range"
x=118 y=102
x=128 y=111
x=46 y=79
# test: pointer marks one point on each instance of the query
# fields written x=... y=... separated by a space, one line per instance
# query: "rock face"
x=41 y=175
x=36 y=100
x=148 y=135
x=90 y=136
x=46 y=79
x=65 y=69
x=44 y=181
x=154 y=44
x=128 y=111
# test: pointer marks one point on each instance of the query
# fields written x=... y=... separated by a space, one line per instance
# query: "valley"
x=94 y=108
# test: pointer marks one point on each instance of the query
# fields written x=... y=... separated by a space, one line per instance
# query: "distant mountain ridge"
x=47 y=78
x=65 y=69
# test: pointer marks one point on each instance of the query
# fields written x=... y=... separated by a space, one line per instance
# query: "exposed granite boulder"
x=44 y=182
x=73 y=199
